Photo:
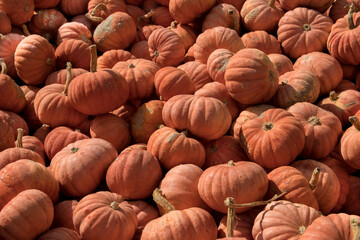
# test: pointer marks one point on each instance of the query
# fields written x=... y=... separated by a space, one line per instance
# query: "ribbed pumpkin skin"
x=117 y=31
x=250 y=77
x=197 y=73
x=214 y=38
x=190 y=223
x=52 y=107
x=110 y=58
x=217 y=62
x=73 y=7
x=73 y=30
x=19 y=11
x=99 y=92
x=261 y=40
x=5 y=24
x=34 y=59
x=26 y=174
x=297 y=86
x=145 y=213
x=322 y=129
x=293 y=218
x=27 y=215
x=172 y=148
x=299 y=27
x=222 y=14
x=60 y=137
x=252 y=14
x=134 y=174
x=321 y=5
x=80 y=166
x=327 y=189
x=112 y=6
x=291 y=180
x=46 y=22
x=8 y=44
x=276 y=147
x=349 y=146
x=326 y=68
x=204 y=117
x=281 y=63
x=179 y=9
x=75 y=51
x=60 y=234
x=180 y=187
x=146 y=120
x=352 y=205
x=63 y=214
x=12 y=98
x=338 y=43
x=224 y=180
x=13 y=154
x=139 y=74
x=166 y=47
x=186 y=33
x=333 y=226
x=96 y=211
x=60 y=76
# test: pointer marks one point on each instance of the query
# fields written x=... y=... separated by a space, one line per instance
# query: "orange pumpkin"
x=141 y=50
x=63 y=214
x=41 y=4
x=73 y=30
x=281 y=63
x=197 y=73
x=6 y=135
x=19 y=11
x=185 y=32
x=8 y=44
x=261 y=40
x=76 y=52
x=145 y=213
x=162 y=16
x=60 y=76
x=320 y=6
x=101 y=9
x=217 y=62
x=60 y=234
x=350 y=150
x=351 y=204
x=110 y=58
x=222 y=14
x=73 y=7
x=5 y=24
x=179 y=9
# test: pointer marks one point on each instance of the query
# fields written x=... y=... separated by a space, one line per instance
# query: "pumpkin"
x=166 y=47
x=349 y=71
x=26 y=174
x=60 y=76
x=180 y=187
x=146 y=120
x=344 y=32
x=253 y=12
x=86 y=160
x=76 y=52
x=250 y=77
x=63 y=214
x=73 y=30
x=204 y=117
x=214 y=38
x=217 y=62
x=351 y=204
x=139 y=74
x=348 y=144
x=333 y=226
x=185 y=32
x=126 y=172
x=6 y=135
x=219 y=151
x=15 y=122
x=298 y=27
x=345 y=85
x=143 y=33
x=171 y=81
x=139 y=16
x=83 y=20
x=41 y=4
x=5 y=26
x=117 y=31
x=275 y=139
x=214 y=188
x=59 y=138
x=340 y=8
x=32 y=143
x=294 y=219
x=18 y=11
x=172 y=148
x=145 y=213
x=34 y=59
x=222 y=14
x=263 y=41
x=111 y=128
x=197 y=73
x=104 y=208
x=322 y=129
x=320 y=6
x=326 y=68
x=162 y=16
x=26 y=216
x=281 y=63
x=126 y=111
x=189 y=56
x=110 y=58
x=8 y=44
x=28 y=112
x=179 y=9
x=297 y=86
x=236 y=3
x=327 y=189
x=141 y=50
x=60 y=234
x=73 y=7
x=98 y=10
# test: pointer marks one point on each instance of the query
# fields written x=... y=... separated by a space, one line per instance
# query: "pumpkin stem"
x=231 y=163
x=160 y=200
x=146 y=16
x=314 y=178
x=355 y=226
x=68 y=78
x=272 y=3
x=268 y=126
x=184 y=133
x=355 y=122
x=230 y=217
x=25 y=30
x=314 y=121
x=19 y=137
x=350 y=18
x=131 y=65
x=307 y=27
x=253 y=204
x=213 y=148
x=92 y=16
x=93 y=59
x=1 y=36
x=160 y=126
x=174 y=24
x=3 y=66
x=114 y=205
x=333 y=96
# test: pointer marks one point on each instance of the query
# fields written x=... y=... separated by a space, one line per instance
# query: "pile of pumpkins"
x=179 y=119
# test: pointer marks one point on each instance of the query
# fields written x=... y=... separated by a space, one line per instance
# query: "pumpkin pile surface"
x=179 y=119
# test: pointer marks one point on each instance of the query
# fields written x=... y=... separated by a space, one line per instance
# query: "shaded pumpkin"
x=8 y=44
x=42 y=132
x=345 y=85
x=63 y=214
x=320 y=6
x=141 y=50
x=60 y=234
x=41 y=4
x=83 y=20
x=186 y=33
x=5 y=24
x=179 y=9
x=162 y=16
x=351 y=205
x=145 y=213
x=32 y=143
x=73 y=7
x=6 y=135
x=28 y=112
x=60 y=76
x=349 y=144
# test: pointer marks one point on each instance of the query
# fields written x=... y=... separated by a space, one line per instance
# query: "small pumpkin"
x=222 y=14
x=263 y=41
x=351 y=204
x=185 y=32
x=19 y=11
x=73 y=7
x=8 y=44
x=77 y=52
x=179 y=9
x=5 y=26
x=197 y=73
x=320 y=6
x=141 y=50
x=60 y=234
x=217 y=62
x=41 y=4
x=145 y=213
x=6 y=135
x=348 y=144
x=281 y=63
x=110 y=58
x=73 y=30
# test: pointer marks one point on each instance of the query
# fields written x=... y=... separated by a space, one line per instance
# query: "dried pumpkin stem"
x=3 y=66
x=253 y=204
x=114 y=205
x=355 y=122
x=174 y=24
x=314 y=178
x=93 y=60
x=350 y=18
x=231 y=163
x=333 y=96
x=1 y=36
x=184 y=133
x=25 y=30
x=20 y=134
x=68 y=77
x=92 y=16
x=272 y=3
x=355 y=226
x=160 y=200
x=230 y=218
x=146 y=16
